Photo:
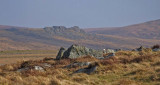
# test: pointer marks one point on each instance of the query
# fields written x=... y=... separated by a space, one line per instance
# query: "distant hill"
x=147 y=30
x=48 y=38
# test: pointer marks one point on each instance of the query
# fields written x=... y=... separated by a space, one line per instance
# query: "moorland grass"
x=126 y=68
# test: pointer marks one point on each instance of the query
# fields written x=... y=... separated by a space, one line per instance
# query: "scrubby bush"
x=156 y=46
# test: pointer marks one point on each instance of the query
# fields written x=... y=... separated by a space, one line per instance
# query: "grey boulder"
x=76 y=51
x=60 y=53
x=110 y=51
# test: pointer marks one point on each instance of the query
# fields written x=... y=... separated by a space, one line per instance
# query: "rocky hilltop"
x=48 y=38
x=72 y=32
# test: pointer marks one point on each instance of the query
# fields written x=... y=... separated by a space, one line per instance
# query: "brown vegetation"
x=126 y=68
x=156 y=46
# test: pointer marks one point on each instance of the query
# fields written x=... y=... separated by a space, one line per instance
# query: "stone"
x=140 y=48
x=60 y=53
x=110 y=55
x=90 y=69
x=110 y=51
x=76 y=51
x=100 y=57
x=104 y=51
x=116 y=50
x=77 y=64
x=46 y=65
x=39 y=68
x=22 y=69
x=156 y=49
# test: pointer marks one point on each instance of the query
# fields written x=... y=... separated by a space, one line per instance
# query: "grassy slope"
x=19 y=38
x=38 y=39
x=147 y=30
x=126 y=68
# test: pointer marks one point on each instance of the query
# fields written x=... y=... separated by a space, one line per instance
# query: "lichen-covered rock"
x=110 y=51
x=76 y=51
x=60 y=53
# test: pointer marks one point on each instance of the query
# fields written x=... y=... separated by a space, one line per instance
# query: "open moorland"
x=125 y=68
x=12 y=56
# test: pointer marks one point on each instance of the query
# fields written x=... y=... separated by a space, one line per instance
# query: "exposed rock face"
x=76 y=51
x=60 y=53
x=72 y=33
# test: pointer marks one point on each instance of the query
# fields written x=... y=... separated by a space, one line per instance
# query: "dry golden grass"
x=126 y=68
x=7 y=57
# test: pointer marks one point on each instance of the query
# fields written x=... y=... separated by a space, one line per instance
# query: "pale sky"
x=82 y=13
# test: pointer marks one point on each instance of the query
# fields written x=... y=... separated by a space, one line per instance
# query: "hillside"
x=147 y=30
x=48 y=38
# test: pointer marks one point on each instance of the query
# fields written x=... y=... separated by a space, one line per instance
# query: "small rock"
x=22 y=69
x=38 y=68
x=110 y=51
x=104 y=51
x=34 y=68
x=100 y=57
x=156 y=49
x=110 y=55
x=90 y=69
x=140 y=48
x=60 y=53
x=118 y=50
x=77 y=64
x=46 y=65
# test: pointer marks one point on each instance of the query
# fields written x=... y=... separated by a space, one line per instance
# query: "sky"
x=82 y=13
